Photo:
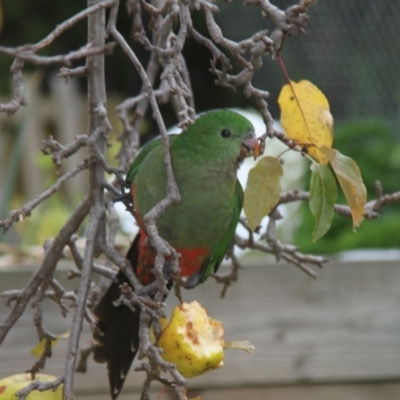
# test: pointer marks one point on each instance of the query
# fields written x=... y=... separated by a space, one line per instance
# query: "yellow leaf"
x=262 y=191
x=349 y=176
x=38 y=350
x=306 y=118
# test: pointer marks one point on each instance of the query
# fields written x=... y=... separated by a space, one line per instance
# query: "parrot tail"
x=117 y=334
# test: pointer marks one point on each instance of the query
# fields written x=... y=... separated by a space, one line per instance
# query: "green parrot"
x=205 y=159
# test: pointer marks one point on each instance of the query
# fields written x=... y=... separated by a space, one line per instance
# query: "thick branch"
x=98 y=130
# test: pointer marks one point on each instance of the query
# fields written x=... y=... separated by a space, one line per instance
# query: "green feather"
x=205 y=165
x=142 y=155
x=220 y=248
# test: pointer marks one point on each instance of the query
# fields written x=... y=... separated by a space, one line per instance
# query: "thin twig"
x=40 y=386
x=48 y=265
x=25 y=211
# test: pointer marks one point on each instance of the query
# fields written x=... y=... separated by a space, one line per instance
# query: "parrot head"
x=224 y=135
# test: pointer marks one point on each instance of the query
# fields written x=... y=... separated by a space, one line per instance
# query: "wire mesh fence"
x=351 y=50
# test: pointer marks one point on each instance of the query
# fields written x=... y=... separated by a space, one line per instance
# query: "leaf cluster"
x=307 y=121
x=374 y=146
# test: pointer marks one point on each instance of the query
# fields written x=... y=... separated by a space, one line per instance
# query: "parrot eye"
x=225 y=133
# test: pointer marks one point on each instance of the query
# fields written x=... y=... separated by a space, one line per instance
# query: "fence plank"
x=344 y=327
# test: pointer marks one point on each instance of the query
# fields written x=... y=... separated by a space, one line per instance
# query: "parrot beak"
x=250 y=146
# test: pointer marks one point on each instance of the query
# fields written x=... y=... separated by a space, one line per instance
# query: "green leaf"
x=349 y=176
x=262 y=191
x=323 y=195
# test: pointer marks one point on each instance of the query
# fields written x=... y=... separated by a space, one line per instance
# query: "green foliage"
x=375 y=149
x=323 y=195
x=45 y=222
x=48 y=218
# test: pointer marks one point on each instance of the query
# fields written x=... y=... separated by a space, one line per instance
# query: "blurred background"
x=331 y=339
x=350 y=51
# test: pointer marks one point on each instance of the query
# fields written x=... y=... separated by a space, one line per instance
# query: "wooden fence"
x=334 y=338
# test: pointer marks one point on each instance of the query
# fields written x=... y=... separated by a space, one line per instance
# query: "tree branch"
x=98 y=130
x=48 y=265
x=25 y=211
x=18 y=88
